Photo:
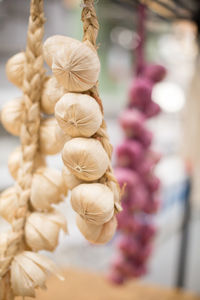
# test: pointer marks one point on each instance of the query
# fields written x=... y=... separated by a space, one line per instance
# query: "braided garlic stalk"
x=27 y=206
x=87 y=155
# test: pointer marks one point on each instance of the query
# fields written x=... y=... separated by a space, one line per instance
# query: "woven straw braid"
x=91 y=28
x=33 y=81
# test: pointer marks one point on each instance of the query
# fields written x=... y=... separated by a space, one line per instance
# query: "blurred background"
x=170 y=43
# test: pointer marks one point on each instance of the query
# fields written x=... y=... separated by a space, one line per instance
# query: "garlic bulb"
x=15 y=69
x=8 y=204
x=15 y=159
x=11 y=116
x=47 y=188
x=85 y=158
x=75 y=64
x=70 y=180
x=29 y=271
x=97 y=234
x=51 y=93
x=94 y=202
x=42 y=230
x=53 y=44
x=49 y=142
x=78 y=115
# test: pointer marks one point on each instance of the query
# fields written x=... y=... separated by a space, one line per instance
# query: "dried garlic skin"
x=61 y=136
x=94 y=202
x=29 y=271
x=78 y=115
x=8 y=204
x=15 y=69
x=85 y=158
x=75 y=65
x=42 y=230
x=49 y=143
x=53 y=44
x=15 y=159
x=70 y=180
x=51 y=93
x=101 y=234
x=47 y=188
x=11 y=116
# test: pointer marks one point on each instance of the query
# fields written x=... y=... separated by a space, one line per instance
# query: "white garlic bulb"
x=85 y=158
x=49 y=142
x=70 y=180
x=47 y=188
x=75 y=65
x=94 y=202
x=15 y=159
x=42 y=230
x=97 y=234
x=53 y=44
x=8 y=204
x=11 y=116
x=51 y=93
x=78 y=115
x=29 y=271
x=15 y=69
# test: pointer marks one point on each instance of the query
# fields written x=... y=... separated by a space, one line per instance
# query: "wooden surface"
x=82 y=285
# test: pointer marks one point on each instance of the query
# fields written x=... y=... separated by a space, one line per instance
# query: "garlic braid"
x=90 y=29
x=33 y=82
x=17 y=248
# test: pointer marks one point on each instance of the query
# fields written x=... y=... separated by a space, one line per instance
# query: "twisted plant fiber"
x=90 y=29
x=32 y=87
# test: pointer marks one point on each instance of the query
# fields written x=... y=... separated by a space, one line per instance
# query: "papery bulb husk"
x=42 y=230
x=76 y=66
x=85 y=158
x=12 y=115
x=101 y=234
x=94 y=202
x=70 y=180
x=15 y=69
x=61 y=136
x=8 y=204
x=49 y=143
x=78 y=115
x=29 y=271
x=15 y=160
x=53 y=44
x=47 y=188
x=117 y=195
x=51 y=93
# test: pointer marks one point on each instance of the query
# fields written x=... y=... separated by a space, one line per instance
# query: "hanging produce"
x=27 y=206
x=135 y=168
x=87 y=153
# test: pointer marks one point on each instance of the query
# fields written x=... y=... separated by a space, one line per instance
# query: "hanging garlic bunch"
x=86 y=156
x=29 y=206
